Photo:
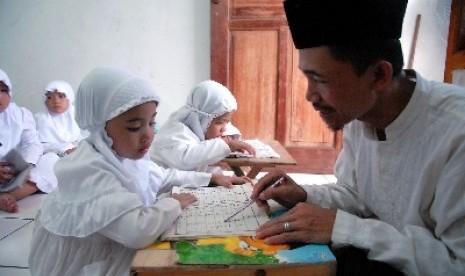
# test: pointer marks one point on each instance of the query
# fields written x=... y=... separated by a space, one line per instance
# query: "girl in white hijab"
x=17 y=131
x=106 y=206
x=57 y=128
x=192 y=137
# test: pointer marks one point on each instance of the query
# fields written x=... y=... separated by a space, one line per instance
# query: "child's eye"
x=133 y=129
x=62 y=96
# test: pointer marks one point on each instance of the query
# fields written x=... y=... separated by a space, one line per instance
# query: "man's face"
x=334 y=88
x=4 y=96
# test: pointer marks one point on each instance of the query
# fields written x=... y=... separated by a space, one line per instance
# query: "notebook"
x=262 y=150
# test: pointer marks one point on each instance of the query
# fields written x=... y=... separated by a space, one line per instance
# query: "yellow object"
x=159 y=245
x=267 y=249
x=233 y=245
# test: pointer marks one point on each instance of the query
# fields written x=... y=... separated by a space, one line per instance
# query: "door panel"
x=253 y=55
x=253 y=87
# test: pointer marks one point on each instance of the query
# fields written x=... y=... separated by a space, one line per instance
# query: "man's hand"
x=287 y=193
x=305 y=222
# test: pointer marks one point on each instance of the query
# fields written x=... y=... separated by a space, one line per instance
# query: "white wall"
x=431 y=46
x=167 y=41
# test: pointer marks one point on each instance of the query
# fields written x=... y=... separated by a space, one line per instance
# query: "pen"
x=250 y=202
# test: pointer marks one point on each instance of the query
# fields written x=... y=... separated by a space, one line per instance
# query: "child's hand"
x=7 y=172
x=229 y=181
x=185 y=199
x=241 y=146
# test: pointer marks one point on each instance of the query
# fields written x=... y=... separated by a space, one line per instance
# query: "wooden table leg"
x=253 y=172
x=237 y=171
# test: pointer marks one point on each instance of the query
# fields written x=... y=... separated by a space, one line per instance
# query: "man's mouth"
x=323 y=109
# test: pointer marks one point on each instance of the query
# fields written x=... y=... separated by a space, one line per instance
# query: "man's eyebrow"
x=311 y=72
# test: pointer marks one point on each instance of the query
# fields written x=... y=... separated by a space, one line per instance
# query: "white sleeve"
x=414 y=249
x=30 y=146
x=189 y=156
x=174 y=177
x=147 y=223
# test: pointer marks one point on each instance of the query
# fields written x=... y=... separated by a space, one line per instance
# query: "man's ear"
x=382 y=73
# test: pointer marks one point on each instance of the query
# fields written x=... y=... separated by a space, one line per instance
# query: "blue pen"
x=250 y=202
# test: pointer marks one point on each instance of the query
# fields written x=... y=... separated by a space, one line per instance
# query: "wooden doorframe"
x=455 y=58
x=219 y=17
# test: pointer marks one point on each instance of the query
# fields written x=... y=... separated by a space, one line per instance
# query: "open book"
x=206 y=217
x=14 y=157
x=262 y=150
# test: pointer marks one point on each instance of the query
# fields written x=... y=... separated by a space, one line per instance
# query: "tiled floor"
x=16 y=229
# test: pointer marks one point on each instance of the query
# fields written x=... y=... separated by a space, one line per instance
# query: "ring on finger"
x=287 y=226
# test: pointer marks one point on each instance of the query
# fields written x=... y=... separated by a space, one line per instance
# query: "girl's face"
x=132 y=132
x=56 y=102
x=4 y=96
x=218 y=126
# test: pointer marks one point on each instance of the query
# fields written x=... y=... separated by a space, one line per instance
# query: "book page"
x=205 y=218
x=262 y=150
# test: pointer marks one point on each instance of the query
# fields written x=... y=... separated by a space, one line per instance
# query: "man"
x=399 y=203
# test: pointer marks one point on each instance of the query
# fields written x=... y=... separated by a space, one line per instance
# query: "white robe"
x=18 y=130
x=93 y=223
x=181 y=143
x=105 y=206
x=411 y=186
x=180 y=148
x=58 y=132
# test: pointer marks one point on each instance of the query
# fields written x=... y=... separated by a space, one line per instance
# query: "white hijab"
x=104 y=94
x=206 y=101
x=58 y=128
x=5 y=79
x=80 y=205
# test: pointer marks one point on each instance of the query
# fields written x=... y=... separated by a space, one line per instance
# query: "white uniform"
x=181 y=142
x=18 y=131
x=105 y=206
x=412 y=185
x=58 y=132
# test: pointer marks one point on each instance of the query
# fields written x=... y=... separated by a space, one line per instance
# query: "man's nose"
x=312 y=94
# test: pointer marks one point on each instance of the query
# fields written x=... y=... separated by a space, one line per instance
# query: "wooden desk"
x=163 y=263
x=257 y=164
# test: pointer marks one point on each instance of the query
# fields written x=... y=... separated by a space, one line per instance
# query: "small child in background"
x=193 y=138
x=57 y=128
x=106 y=205
x=18 y=131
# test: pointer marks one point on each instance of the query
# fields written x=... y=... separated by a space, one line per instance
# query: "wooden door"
x=253 y=55
x=455 y=58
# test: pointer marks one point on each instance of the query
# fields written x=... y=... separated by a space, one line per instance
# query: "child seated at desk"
x=106 y=206
x=18 y=131
x=57 y=128
x=192 y=138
